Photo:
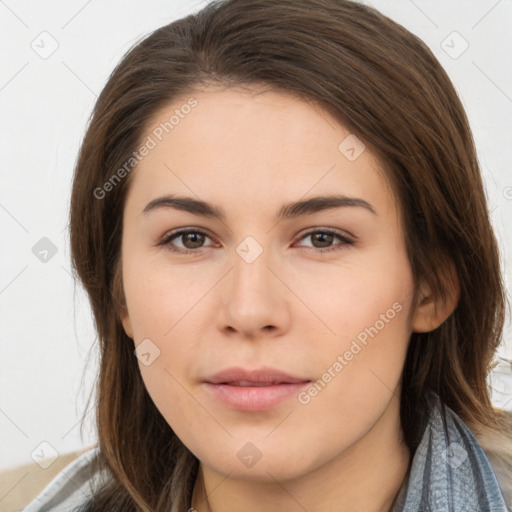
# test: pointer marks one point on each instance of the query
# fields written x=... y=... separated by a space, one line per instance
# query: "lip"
x=265 y=375
x=271 y=387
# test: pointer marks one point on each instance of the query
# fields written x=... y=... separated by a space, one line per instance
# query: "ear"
x=430 y=313
x=125 y=320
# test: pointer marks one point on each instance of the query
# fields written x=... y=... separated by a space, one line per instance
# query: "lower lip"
x=254 y=398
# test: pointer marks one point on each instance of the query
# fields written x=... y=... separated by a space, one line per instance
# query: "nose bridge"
x=252 y=299
x=251 y=262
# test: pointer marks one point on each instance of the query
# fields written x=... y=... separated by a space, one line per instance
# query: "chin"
x=270 y=466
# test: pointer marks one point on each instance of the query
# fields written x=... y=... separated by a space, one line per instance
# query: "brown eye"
x=192 y=241
x=323 y=240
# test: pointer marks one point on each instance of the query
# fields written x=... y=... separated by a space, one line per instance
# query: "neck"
x=364 y=478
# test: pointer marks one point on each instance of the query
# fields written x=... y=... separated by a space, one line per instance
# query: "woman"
x=279 y=218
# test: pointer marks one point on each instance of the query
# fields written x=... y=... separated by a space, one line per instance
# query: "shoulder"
x=72 y=487
x=498 y=449
x=475 y=466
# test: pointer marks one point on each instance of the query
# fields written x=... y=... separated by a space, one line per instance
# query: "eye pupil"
x=193 y=238
x=321 y=238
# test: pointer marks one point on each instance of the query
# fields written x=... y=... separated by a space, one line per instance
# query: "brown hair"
x=386 y=86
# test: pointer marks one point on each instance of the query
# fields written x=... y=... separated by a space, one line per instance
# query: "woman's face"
x=305 y=309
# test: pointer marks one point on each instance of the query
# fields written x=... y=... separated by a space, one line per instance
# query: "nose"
x=254 y=300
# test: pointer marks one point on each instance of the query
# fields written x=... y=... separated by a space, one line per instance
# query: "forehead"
x=239 y=145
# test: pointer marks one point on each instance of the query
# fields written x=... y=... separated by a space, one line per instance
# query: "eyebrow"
x=288 y=211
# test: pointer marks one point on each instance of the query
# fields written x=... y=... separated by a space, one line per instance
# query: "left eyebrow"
x=317 y=204
x=287 y=211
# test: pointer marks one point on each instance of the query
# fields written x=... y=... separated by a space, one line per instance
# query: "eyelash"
x=166 y=240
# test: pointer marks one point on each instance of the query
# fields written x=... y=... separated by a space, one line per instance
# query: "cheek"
x=366 y=309
x=358 y=370
x=363 y=299
x=162 y=383
x=164 y=308
x=159 y=297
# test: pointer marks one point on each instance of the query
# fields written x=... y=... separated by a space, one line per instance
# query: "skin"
x=292 y=308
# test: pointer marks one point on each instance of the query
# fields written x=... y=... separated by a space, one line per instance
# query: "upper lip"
x=261 y=375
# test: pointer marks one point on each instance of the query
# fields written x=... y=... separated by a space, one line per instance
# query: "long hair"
x=386 y=86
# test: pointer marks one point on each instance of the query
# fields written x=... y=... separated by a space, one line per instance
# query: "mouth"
x=245 y=383
x=253 y=390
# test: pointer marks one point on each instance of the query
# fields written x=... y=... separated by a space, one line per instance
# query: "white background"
x=46 y=329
